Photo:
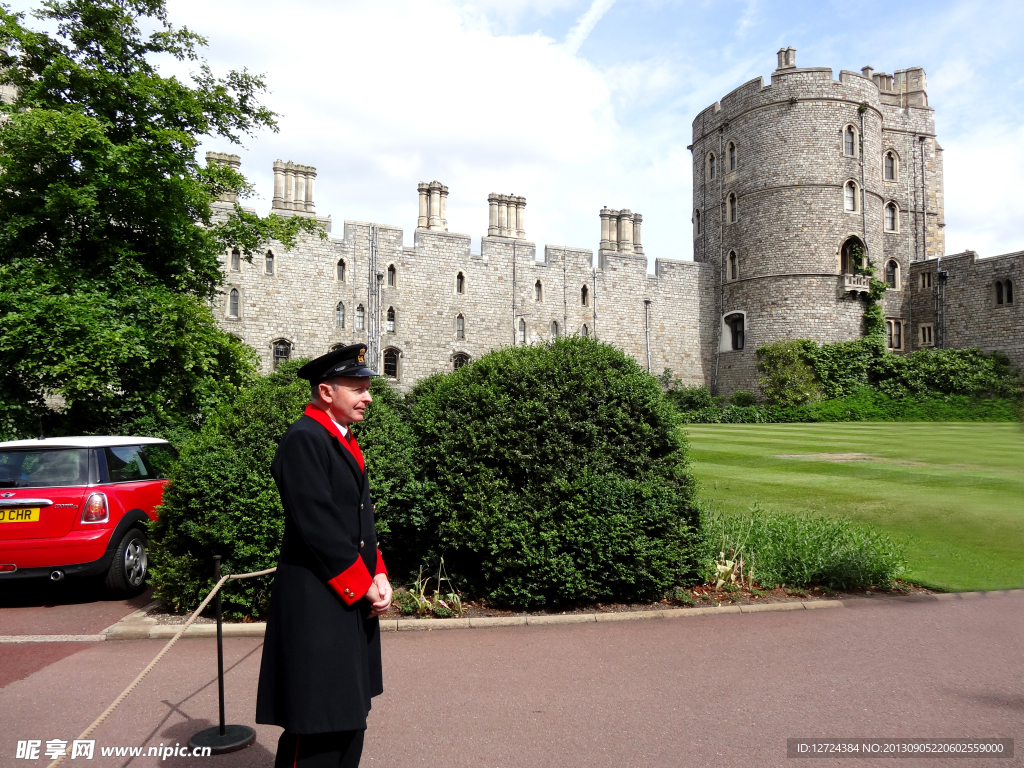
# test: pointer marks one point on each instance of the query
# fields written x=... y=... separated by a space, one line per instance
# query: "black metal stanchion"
x=222 y=738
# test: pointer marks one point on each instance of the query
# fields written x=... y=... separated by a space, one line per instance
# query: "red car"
x=79 y=506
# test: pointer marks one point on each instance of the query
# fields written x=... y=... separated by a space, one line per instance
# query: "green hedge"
x=554 y=473
x=865 y=404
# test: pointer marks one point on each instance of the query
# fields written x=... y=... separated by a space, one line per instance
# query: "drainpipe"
x=647 y=330
x=721 y=256
x=863 y=191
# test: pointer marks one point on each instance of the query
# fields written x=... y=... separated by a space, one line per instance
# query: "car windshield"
x=50 y=468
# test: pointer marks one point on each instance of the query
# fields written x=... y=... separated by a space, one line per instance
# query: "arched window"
x=732 y=156
x=460 y=327
x=554 y=329
x=538 y=291
x=850 y=196
x=890 y=217
x=236 y=260
x=339 y=315
x=584 y=296
x=1004 y=292
x=460 y=283
x=269 y=263
x=892 y=273
x=233 y=303
x=584 y=331
x=696 y=222
x=522 y=331
x=391 y=363
x=282 y=351
x=459 y=360
x=391 y=276
x=889 y=166
x=360 y=318
x=341 y=270
x=733 y=266
x=735 y=323
x=711 y=166
x=732 y=208
x=391 y=320
x=850 y=256
x=850 y=141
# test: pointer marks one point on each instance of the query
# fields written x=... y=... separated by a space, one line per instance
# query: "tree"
x=110 y=247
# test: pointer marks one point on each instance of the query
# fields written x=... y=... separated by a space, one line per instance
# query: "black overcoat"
x=321 y=656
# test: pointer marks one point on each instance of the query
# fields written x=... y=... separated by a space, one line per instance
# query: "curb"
x=140 y=626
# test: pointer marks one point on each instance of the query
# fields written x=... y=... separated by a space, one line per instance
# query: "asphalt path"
x=722 y=690
x=75 y=607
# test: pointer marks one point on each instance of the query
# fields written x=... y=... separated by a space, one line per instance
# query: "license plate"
x=24 y=515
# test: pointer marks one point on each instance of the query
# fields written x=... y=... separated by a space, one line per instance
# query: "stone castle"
x=796 y=184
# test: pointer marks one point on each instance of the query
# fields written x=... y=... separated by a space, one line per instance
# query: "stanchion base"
x=235 y=737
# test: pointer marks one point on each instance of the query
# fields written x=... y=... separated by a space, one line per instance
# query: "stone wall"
x=956 y=296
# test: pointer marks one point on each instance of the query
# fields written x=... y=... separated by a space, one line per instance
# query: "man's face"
x=346 y=398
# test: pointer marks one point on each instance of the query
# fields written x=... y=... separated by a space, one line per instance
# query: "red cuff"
x=380 y=565
x=352 y=583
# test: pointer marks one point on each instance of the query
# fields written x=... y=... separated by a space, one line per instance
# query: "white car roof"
x=80 y=442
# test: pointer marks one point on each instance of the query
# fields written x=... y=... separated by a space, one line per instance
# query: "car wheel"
x=127 y=574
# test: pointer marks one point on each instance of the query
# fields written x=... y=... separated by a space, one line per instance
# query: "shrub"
x=786 y=378
x=222 y=499
x=555 y=473
x=800 y=550
x=742 y=399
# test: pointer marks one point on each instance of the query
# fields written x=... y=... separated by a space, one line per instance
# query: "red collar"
x=325 y=421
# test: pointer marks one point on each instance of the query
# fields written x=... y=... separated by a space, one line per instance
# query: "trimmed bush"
x=801 y=551
x=222 y=499
x=555 y=473
x=742 y=399
x=786 y=378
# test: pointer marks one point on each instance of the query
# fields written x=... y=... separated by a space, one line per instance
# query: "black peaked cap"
x=344 y=361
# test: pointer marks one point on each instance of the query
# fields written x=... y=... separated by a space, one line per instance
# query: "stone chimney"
x=433 y=206
x=506 y=216
x=234 y=162
x=620 y=231
x=293 y=187
x=787 y=58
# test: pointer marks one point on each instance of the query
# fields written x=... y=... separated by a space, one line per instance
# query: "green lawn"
x=955 y=490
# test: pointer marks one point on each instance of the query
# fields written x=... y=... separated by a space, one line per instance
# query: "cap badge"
x=360 y=358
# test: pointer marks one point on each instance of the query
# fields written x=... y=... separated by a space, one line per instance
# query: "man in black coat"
x=321 y=657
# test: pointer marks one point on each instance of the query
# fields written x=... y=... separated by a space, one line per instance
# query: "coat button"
x=362 y=544
x=360 y=506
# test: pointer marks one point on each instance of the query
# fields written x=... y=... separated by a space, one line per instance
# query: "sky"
x=578 y=104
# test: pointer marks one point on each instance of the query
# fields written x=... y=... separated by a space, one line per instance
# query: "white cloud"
x=586 y=23
x=990 y=223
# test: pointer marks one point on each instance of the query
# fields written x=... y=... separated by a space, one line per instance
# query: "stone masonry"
x=792 y=183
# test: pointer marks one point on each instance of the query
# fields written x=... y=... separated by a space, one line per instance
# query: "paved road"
x=44 y=608
x=704 y=691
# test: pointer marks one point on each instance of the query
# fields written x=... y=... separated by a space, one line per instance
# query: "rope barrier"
x=131 y=686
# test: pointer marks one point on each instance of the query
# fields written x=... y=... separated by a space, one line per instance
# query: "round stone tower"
x=789 y=196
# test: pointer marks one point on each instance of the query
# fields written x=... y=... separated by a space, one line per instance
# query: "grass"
x=955 y=490
x=777 y=548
